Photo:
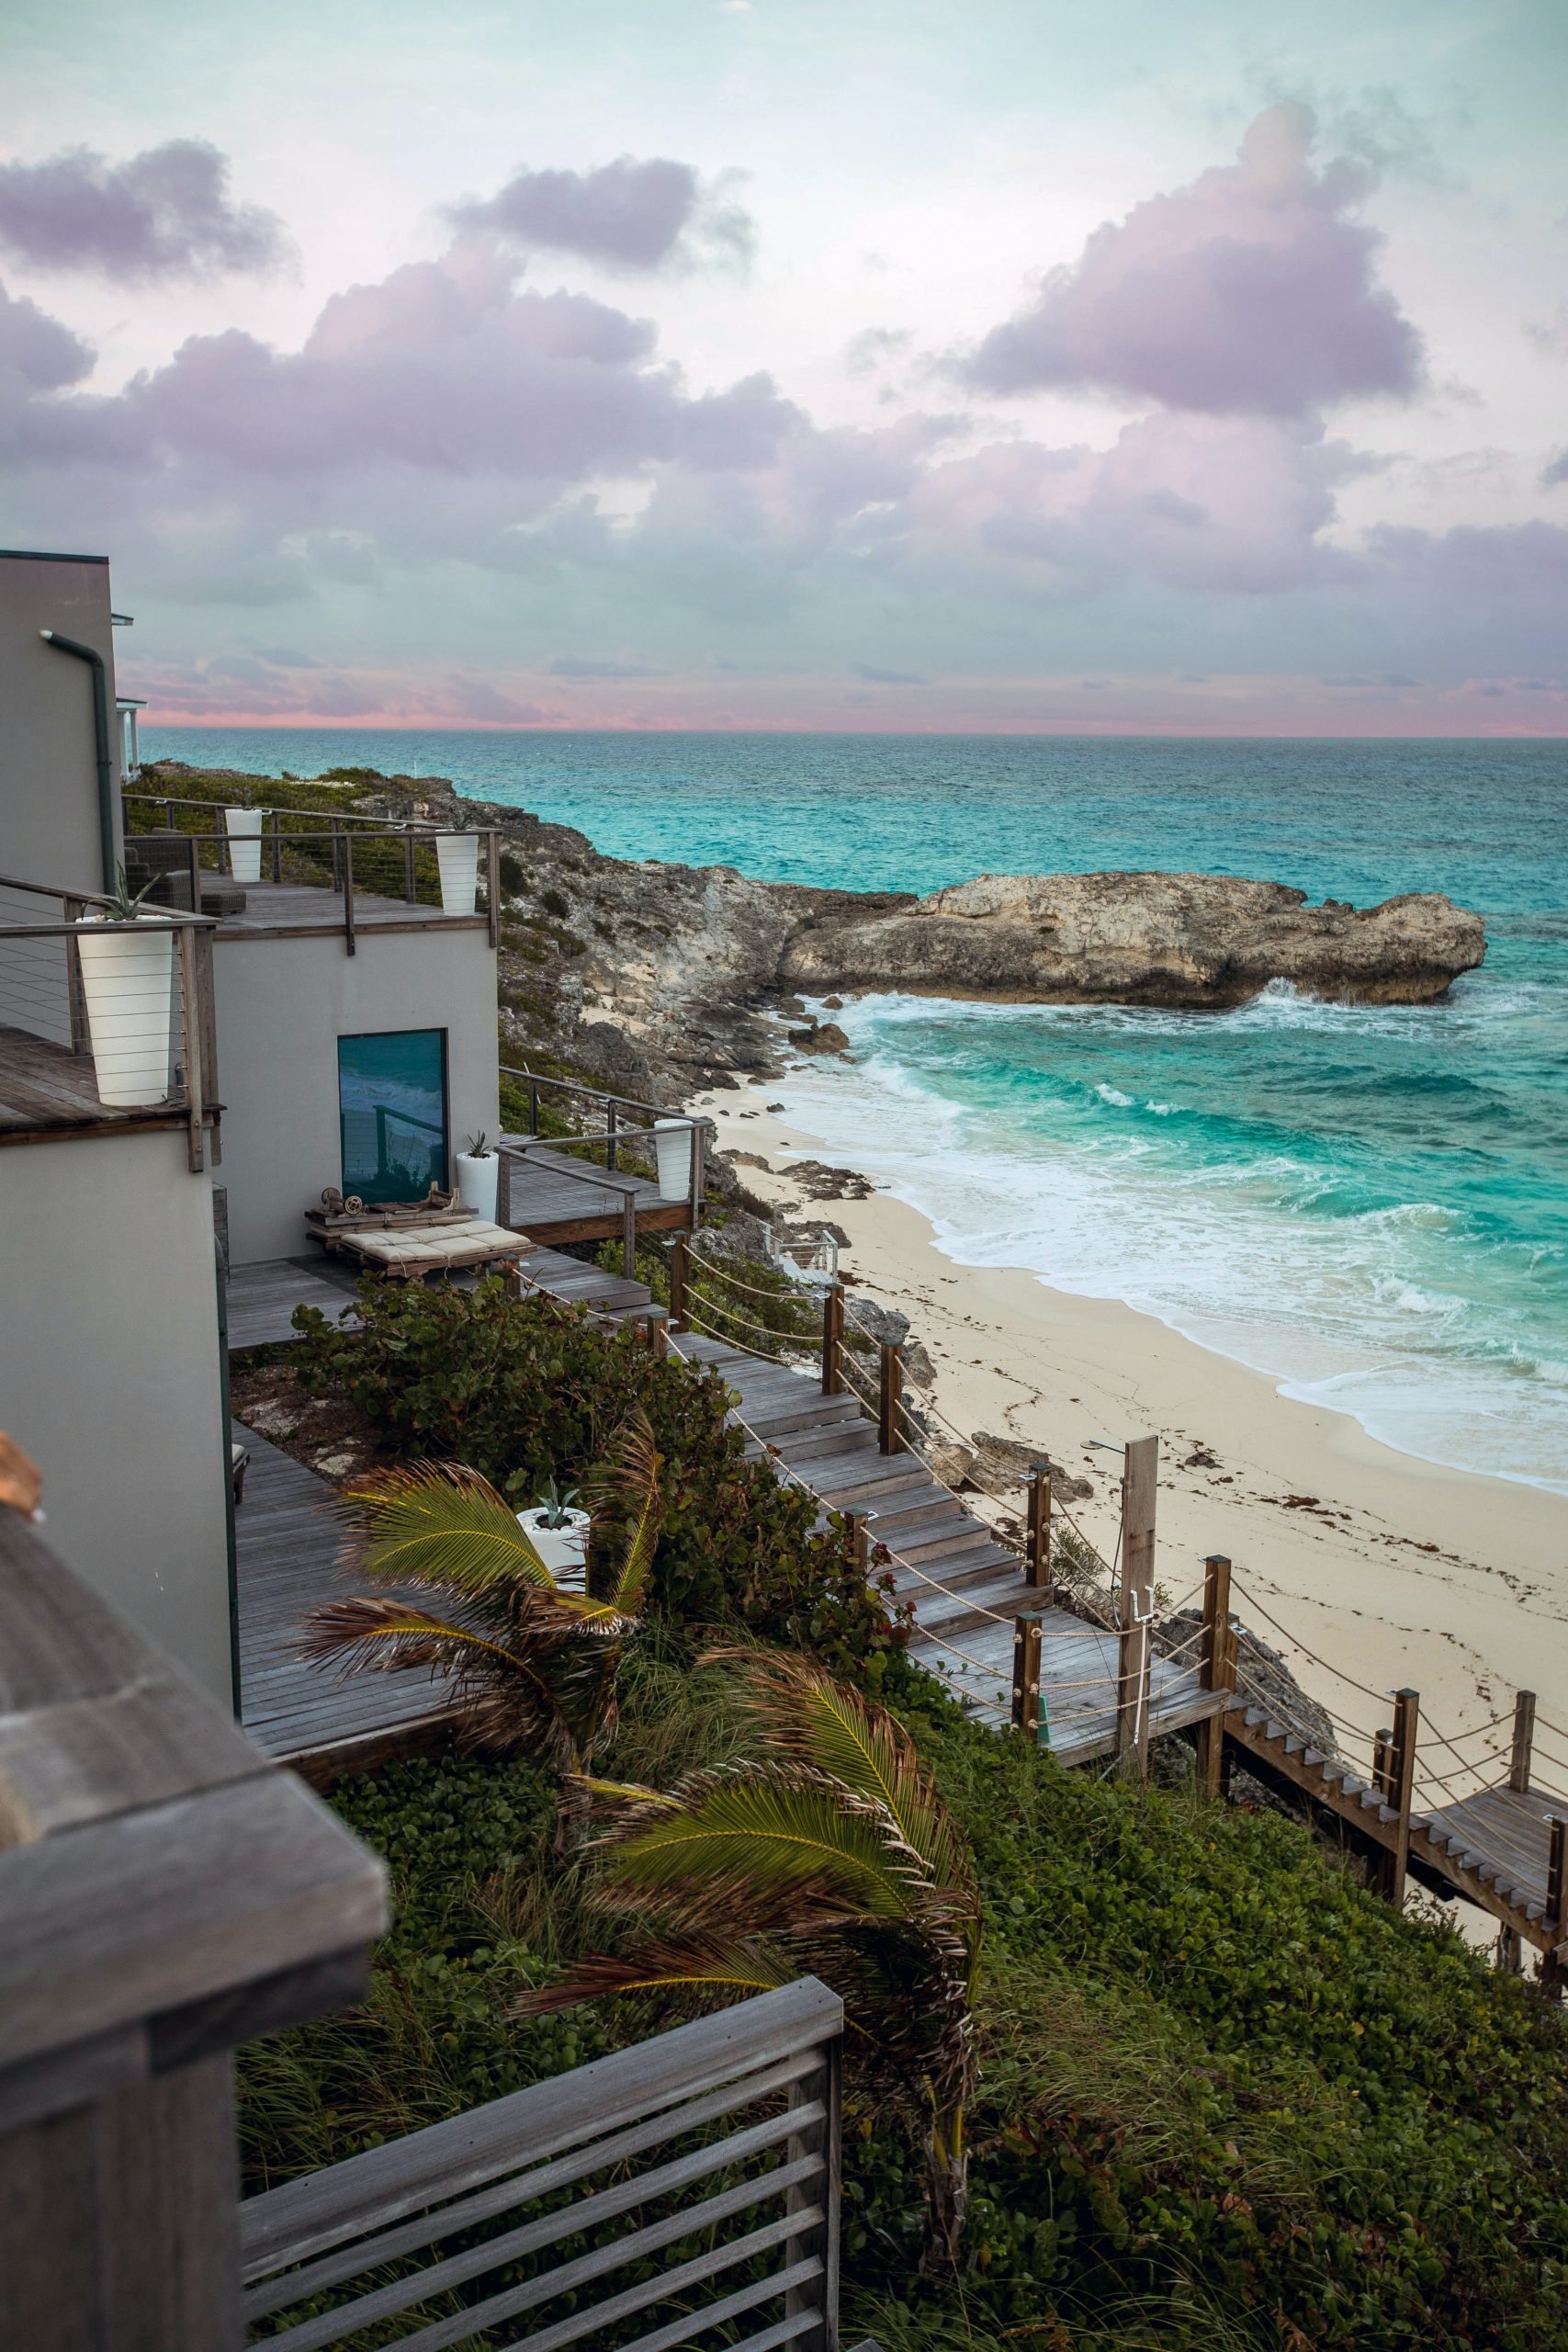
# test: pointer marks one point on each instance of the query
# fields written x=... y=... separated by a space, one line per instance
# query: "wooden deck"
x=286 y=1543
x=553 y=1198
x=276 y=909
x=47 y=1091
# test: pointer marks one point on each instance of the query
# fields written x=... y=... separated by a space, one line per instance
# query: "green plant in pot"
x=479 y=1173
x=532 y=1662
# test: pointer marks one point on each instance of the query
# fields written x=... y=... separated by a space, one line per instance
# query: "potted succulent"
x=127 y=980
x=559 y=1535
x=243 y=827
x=458 y=856
x=477 y=1169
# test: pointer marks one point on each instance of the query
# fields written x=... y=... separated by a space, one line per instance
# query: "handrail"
x=603 y=1094
x=328 y=817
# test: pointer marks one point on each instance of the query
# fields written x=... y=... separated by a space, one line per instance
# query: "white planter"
x=457 y=856
x=564 y=1550
x=477 y=1182
x=127 y=979
x=673 y=1142
x=243 y=827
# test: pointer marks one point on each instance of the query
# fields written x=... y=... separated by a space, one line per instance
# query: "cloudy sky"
x=1012 y=365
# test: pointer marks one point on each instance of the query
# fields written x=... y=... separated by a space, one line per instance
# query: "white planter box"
x=564 y=1550
x=672 y=1146
x=127 y=979
x=243 y=827
x=477 y=1182
x=457 y=856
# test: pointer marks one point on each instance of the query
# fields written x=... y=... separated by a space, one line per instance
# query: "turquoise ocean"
x=1369 y=1204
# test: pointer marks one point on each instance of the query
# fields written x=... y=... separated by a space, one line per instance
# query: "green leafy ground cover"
x=1228 y=2099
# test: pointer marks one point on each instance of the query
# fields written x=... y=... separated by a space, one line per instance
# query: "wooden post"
x=1138 y=1486
x=337 y=865
x=890 y=1395
x=1216 y=1670
x=612 y=1137
x=1382 y=1764
x=492 y=884
x=860 y=1536
x=410 y=892
x=277 y=852
x=1397 y=1795
x=75 y=994
x=1554 y=1960
x=832 y=1340
x=348 y=892
x=655 y=1324
x=1037 y=1569
x=680 y=1275
x=1524 y=1742
x=629 y=1236
x=1026 y=1709
x=190 y=1040
x=193 y=851
x=699 y=1164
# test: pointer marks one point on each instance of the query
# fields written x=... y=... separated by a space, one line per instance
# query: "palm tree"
x=532 y=1665
x=832 y=1852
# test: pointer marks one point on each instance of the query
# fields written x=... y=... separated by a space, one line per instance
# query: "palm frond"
x=628 y=1478
x=506 y=1701
x=440 y=1524
x=778 y=1842
x=704 y=1971
x=805 y=1714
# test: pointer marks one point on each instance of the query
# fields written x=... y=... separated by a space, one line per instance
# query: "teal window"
x=392 y=1112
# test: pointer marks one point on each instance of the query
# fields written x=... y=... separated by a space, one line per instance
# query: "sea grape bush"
x=525 y=1390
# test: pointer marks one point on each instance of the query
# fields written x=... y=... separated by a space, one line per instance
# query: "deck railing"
x=147 y=1036
x=701 y=2168
x=165 y=1892
x=629 y=1127
x=342 y=853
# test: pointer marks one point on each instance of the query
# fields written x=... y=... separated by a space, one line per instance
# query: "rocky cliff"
x=645 y=975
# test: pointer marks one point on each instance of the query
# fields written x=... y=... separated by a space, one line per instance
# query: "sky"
x=1016 y=366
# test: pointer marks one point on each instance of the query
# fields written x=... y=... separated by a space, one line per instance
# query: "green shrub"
x=524 y=1390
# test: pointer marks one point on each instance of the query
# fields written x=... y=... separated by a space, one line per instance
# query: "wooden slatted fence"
x=695 y=2176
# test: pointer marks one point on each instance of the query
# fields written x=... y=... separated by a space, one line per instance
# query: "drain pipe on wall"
x=101 y=738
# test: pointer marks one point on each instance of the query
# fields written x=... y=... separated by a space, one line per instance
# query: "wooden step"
x=781 y=1418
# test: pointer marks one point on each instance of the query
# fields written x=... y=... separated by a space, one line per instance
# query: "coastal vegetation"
x=1220 y=2095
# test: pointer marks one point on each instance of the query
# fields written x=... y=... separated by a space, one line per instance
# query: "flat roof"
x=45 y=555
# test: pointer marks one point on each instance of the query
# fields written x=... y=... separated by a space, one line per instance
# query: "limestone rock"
x=1200 y=940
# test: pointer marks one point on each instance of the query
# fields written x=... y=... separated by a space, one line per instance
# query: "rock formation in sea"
x=651 y=976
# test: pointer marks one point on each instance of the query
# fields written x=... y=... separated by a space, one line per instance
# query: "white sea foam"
x=1335 y=1308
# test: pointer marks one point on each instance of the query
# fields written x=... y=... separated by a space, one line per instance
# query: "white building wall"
x=110 y=1377
x=282 y=1004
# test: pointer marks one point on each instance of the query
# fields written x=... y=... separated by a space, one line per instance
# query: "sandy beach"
x=1381 y=1570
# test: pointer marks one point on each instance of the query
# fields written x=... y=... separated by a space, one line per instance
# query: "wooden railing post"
x=612 y=1137
x=680 y=1278
x=277 y=852
x=1037 y=1569
x=1135 y=1661
x=72 y=909
x=1400 y=1789
x=832 y=1340
x=629 y=1236
x=1382 y=1763
x=859 y=1520
x=193 y=853
x=533 y=1105
x=190 y=1044
x=337 y=866
x=699 y=1165
x=1027 y=1710
x=889 y=1397
x=492 y=884
x=348 y=892
x=656 y=1322
x=1524 y=1743
x=1554 y=1959
x=410 y=892
x=1215 y=1670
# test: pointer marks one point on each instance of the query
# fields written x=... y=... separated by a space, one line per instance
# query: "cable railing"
x=202 y=845
x=110 y=1016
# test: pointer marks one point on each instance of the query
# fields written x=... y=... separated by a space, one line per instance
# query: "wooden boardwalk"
x=286 y=1543
x=965 y=1588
